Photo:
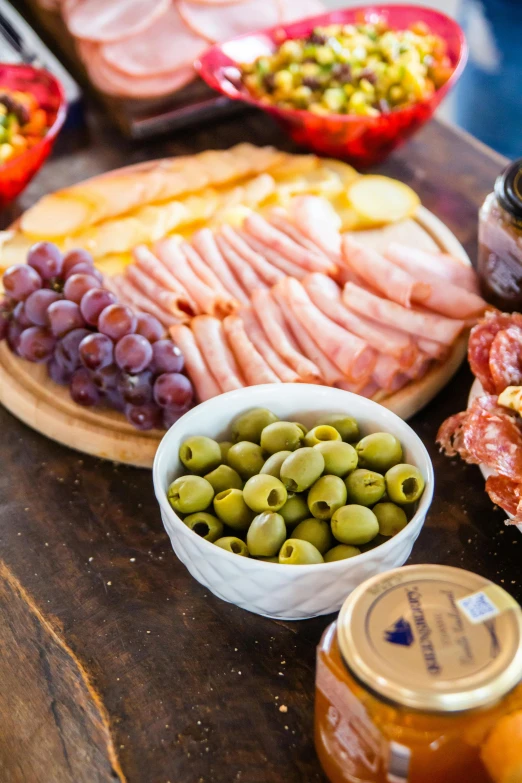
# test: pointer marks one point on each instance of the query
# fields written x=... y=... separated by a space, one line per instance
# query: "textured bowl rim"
x=416 y=521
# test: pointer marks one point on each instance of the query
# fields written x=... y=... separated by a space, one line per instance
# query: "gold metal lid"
x=433 y=638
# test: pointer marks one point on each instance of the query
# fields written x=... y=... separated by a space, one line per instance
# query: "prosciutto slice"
x=214 y=22
x=200 y=375
x=254 y=367
x=101 y=20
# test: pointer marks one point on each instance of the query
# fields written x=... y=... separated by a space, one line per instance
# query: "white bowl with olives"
x=283 y=498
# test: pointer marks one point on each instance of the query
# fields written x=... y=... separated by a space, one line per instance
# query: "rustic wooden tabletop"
x=114 y=663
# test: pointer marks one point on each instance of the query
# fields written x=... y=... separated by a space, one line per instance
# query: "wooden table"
x=114 y=663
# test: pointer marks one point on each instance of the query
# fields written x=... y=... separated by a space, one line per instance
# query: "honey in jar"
x=421 y=665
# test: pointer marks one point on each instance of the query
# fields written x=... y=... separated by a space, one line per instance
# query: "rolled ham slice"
x=205 y=244
x=200 y=268
x=382 y=274
x=387 y=372
x=198 y=372
x=209 y=301
x=168 y=300
x=244 y=273
x=161 y=48
x=326 y=295
x=276 y=259
x=318 y=221
x=420 y=324
x=263 y=268
x=352 y=355
x=432 y=348
x=102 y=20
x=280 y=220
x=211 y=341
x=369 y=390
x=253 y=366
x=154 y=269
x=441 y=264
x=271 y=357
x=272 y=322
x=216 y=22
x=134 y=298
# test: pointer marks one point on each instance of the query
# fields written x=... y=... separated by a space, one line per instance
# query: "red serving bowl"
x=16 y=173
x=362 y=140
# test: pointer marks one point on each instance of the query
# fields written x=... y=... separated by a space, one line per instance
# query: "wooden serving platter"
x=29 y=394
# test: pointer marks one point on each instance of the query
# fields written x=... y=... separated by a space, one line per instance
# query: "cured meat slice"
x=480 y=341
x=420 y=324
x=507 y=494
x=101 y=20
x=200 y=375
x=432 y=348
x=211 y=340
x=168 y=300
x=279 y=219
x=216 y=22
x=505 y=358
x=449 y=436
x=132 y=296
x=254 y=367
x=368 y=390
x=244 y=273
x=318 y=221
x=387 y=373
x=441 y=264
x=155 y=270
x=377 y=271
x=206 y=246
x=258 y=338
x=200 y=268
x=263 y=268
x=275 y=258
x=161 y=48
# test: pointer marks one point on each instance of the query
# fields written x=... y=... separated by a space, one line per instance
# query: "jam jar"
x=500 y=241
x=420 y=667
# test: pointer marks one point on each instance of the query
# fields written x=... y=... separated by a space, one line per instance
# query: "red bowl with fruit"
x=45 y=92
x=363 y=140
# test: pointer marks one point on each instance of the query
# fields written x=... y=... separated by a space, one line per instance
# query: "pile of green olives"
x=285 y=494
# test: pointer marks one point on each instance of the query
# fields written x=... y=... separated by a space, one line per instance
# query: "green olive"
x=364 y=487
x=316 y=531
x=297 y=552
x=326 y=496
x=188 y=494
x=224 y=447
x=266 y=535
x=354 y=525
x=341 y=552
x=249 y=425
x=392 y=519
x=345 y=425
x=232 y=544
x=200 y=454
x=301 y=469
x=379 y=451
x=404 y=484
x=205 y=525
x=231 y=508
x=320 y=434
x=302 y=427
x=224 y=477
x=281 y=436
x=264 y=493
x=294 y=510
x=339 y=458
x=272 y=466
x=246 y=458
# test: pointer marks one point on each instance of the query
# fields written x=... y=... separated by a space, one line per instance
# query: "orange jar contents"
x=419 y=668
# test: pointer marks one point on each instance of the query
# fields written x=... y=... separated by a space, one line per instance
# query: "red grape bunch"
x=56 y=311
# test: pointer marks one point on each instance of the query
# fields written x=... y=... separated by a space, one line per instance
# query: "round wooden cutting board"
x=29 y=394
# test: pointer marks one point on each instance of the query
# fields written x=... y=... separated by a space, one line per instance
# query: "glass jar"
x=500 y=241
x=421 y=664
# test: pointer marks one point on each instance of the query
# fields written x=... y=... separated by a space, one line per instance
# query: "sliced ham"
x=318 y=221
x=198 y=372
x=279 y=219
x=276 y=259
x=211 y=341
x=154 y=269
x=440 y=264
x=168 y=300
x=162 y=48
x=102 y=20
x=129 y=294
x=200 y=268
x=432 y=348
x=205 y=244
x=387 y=372
x=271 y=357
x=352 y=355
x=369 y=390
x=220 y=23
x=420 y=324
x=377 y=271
x=326 y=295
x=244 y=273
x=253 y=366
x=263 y=268
x=274 y=327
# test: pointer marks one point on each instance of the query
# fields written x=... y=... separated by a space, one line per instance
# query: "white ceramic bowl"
x=270 y=589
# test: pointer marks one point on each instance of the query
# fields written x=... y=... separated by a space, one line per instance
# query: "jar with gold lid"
x=419 y=668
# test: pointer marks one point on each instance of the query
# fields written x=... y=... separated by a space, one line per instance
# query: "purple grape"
x=75 y=257
x=20 y=314
x=116 y=321
x=167 y=357
x=64 y=316
x=14 y=332
x=20 y=281
x=114 y=399
x=143 y=417
x=83 y=391
x=107 y=378
x=170 y=416
x=173 y=390
x=149 y=327
x=96 y=351
x=136 y=389
x=36 y=344
x=46 y=259
x=37 y=304
x=58 y=374
x=133 y=353
x=84 y=269
x=77 y=286
x=93 y=302
x=67 y=351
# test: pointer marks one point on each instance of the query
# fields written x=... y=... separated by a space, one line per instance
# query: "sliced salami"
x=449 y=436
x=102 y=20
x=505 y=358
x=507 y=494
x=491 y=436
x=480 y=341
x=217 y=22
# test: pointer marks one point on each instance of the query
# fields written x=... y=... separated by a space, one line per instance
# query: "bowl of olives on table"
x=283 y=498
